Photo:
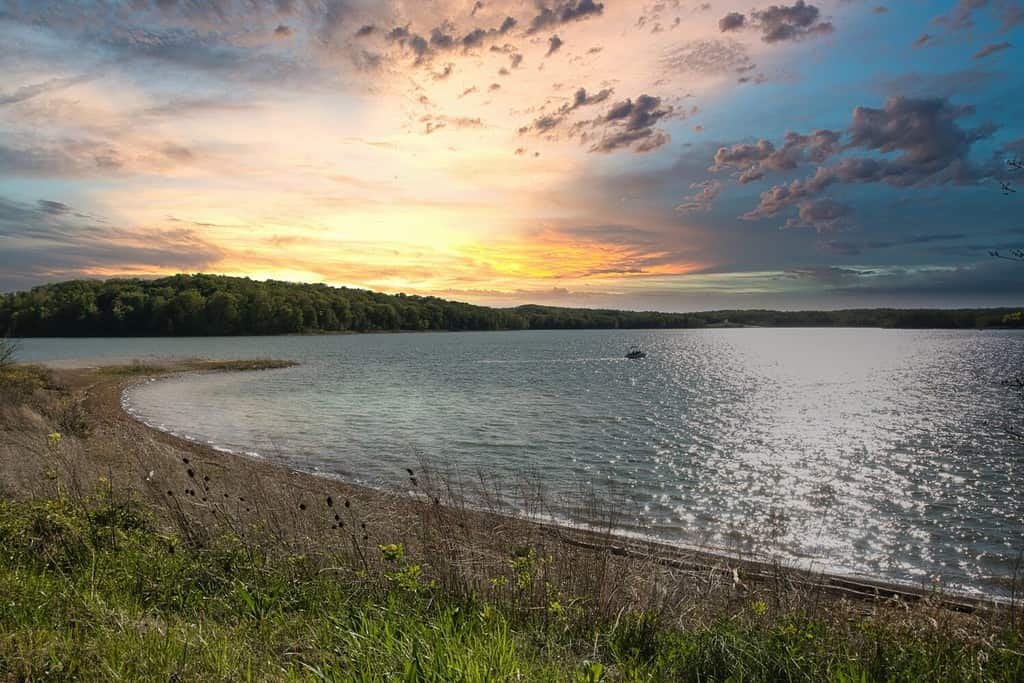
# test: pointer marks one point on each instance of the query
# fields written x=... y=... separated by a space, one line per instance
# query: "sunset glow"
x=675 y=155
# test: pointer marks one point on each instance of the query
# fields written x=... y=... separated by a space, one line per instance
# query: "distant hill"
x=202 y=305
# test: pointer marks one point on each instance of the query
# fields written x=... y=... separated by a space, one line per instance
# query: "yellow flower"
x=54 y=439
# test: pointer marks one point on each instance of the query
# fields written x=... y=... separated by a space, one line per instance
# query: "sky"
x=673 y=155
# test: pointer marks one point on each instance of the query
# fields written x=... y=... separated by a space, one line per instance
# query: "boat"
x=635 y=353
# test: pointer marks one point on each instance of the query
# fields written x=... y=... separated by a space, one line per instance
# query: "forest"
x=206 y=305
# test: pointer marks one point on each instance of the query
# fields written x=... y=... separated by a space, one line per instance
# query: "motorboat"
x=635 y=353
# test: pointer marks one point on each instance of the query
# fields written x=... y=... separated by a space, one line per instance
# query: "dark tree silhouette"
x=8 y=349
x=1016 y=383
x=1007 y=187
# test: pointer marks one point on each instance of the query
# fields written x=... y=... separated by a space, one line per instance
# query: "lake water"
x=873 y=452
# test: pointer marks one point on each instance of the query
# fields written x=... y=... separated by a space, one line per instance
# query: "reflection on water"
x=878 y=452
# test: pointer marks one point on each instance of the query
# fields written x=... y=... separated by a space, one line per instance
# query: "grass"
x=97 y=591
x=130 y=559
x=138 y=367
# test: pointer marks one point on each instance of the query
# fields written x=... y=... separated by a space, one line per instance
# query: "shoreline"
x=350 y=333
x=618 y=542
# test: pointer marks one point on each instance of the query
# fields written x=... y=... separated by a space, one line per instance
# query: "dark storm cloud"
x=563 y=12
x=779 y=23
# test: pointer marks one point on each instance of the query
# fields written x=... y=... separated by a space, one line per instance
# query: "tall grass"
x=146 y=561
x=96 y=591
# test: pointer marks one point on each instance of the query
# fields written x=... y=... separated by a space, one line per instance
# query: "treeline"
x=199 y=305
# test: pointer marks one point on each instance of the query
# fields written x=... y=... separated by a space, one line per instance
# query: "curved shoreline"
x=583 y=536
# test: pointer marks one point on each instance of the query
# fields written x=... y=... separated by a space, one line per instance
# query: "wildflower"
x=54 y=439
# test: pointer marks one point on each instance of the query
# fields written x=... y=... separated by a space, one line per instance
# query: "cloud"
x=443 y=38
x=581 y=98
x=962 y=14
x=855 y=247
x=52 y=207
x=49 y=240
x=554 y=45
x=563 y=12
x=713 y=57
x=824 y=215
x=702 y=199
x=924 y=40
x=828 y=275
x=433 y=123
x=929 y=145
x=29 y=91
x=630 y=124
x=732 y=22
x=779 y=23
x=67 y=159
x=753 y=160
x=991 y=49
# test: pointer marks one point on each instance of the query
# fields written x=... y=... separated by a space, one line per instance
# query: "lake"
x=881 y=453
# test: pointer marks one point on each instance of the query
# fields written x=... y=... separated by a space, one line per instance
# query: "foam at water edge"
x=131 y=410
